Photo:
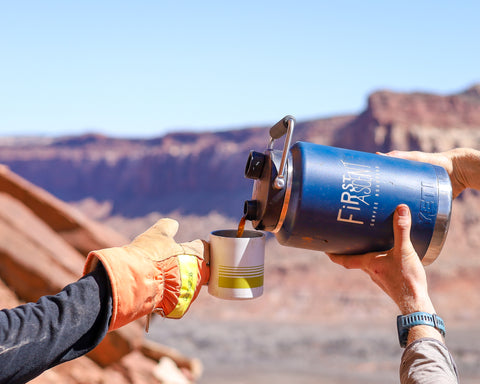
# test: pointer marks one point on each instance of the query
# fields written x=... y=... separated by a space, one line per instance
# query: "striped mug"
x=236 y=264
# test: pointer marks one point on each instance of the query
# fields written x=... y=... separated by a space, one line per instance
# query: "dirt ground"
x=255 y=352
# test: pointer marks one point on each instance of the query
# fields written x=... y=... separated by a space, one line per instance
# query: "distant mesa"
x=197 y=173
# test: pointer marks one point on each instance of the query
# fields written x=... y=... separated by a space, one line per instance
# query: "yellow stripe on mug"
x=240 y=277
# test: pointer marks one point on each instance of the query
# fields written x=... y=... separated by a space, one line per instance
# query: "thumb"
x=163 y=229
x=402 y=223
x=166 y=227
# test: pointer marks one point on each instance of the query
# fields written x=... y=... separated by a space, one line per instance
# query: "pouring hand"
x=399 y=271
x=462 y=165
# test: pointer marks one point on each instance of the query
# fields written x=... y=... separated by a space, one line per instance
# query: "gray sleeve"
x=427 y=361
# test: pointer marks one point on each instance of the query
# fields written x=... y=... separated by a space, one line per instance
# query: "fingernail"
x=403 y=210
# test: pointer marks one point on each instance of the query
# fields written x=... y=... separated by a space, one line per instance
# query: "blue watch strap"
x=405 y=322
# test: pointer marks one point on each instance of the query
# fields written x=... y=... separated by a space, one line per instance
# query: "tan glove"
x=153 y=274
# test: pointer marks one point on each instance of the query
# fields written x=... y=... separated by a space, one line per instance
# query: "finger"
x=408 y=155
x=402 y=223
x=424 y=157
x=206 y=251
x=204 y=271
x=199 y=248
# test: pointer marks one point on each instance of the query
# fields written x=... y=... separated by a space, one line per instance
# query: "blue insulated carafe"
x=342 y=201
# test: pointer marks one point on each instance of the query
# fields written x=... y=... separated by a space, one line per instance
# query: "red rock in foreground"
x=43 y=243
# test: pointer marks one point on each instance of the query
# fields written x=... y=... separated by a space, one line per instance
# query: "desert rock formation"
x=43 y=243
x=196 y=173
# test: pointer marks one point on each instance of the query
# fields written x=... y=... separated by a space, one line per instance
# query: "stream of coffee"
x=241 y=226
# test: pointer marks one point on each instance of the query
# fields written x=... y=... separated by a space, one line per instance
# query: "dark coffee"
x=241 y=226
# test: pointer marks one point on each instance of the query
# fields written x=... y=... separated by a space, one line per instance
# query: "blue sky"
x=143 y=68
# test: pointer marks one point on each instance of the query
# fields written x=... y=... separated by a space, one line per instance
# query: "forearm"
x=424 y=331
x=37 y=336
x=427 y=361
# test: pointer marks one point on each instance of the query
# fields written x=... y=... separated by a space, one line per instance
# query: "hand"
x=189 y=261
x=461 y=164
x=153 y=274
x=399 y=271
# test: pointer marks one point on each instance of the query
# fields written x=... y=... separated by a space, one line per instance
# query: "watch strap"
x=405 y=322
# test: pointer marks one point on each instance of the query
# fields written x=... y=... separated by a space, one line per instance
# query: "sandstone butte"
x=140 y=176
x=43 y=244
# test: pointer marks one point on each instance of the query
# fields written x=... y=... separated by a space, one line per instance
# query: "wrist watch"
x=405 y=322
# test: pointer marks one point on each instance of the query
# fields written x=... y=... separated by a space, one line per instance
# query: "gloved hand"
x=153 y=274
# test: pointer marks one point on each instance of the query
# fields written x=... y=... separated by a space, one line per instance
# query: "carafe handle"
x=284 y=126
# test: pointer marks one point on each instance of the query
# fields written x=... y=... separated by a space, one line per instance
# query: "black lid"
x=266 y=205
x=255 y=164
